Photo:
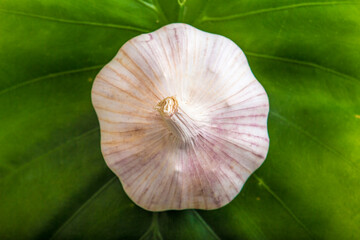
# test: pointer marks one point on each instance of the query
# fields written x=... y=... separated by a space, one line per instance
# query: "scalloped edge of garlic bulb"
x=183 y=119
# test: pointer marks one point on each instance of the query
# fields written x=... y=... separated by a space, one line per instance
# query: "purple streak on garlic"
x=183 y=119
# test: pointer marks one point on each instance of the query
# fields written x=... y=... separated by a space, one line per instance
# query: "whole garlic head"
x=183 y=120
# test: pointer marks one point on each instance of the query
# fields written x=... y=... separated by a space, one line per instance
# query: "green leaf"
x=54 y=182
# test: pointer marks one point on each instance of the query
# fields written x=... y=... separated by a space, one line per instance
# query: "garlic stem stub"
x=183 y=120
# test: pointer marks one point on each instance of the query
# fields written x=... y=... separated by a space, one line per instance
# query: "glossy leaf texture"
x=54 y=183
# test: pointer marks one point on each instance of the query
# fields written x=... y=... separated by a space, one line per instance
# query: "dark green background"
x=53 y=179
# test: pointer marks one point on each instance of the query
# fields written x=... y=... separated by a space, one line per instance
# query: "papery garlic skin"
x=183 y=120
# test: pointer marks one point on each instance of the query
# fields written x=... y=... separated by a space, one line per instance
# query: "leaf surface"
x=54 y=182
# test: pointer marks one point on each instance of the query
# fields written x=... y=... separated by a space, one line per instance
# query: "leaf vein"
x=314 y=139
x=283 y=204
x=274 y=9
x=205 y=224
x=304 y=63
x=69 y=21
x=83 y=206
x=73 y=139
x=49 y=76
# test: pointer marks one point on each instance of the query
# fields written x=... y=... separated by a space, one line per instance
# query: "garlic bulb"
x=183 y=120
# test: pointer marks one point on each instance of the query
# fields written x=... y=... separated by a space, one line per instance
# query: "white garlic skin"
x=222 y=106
